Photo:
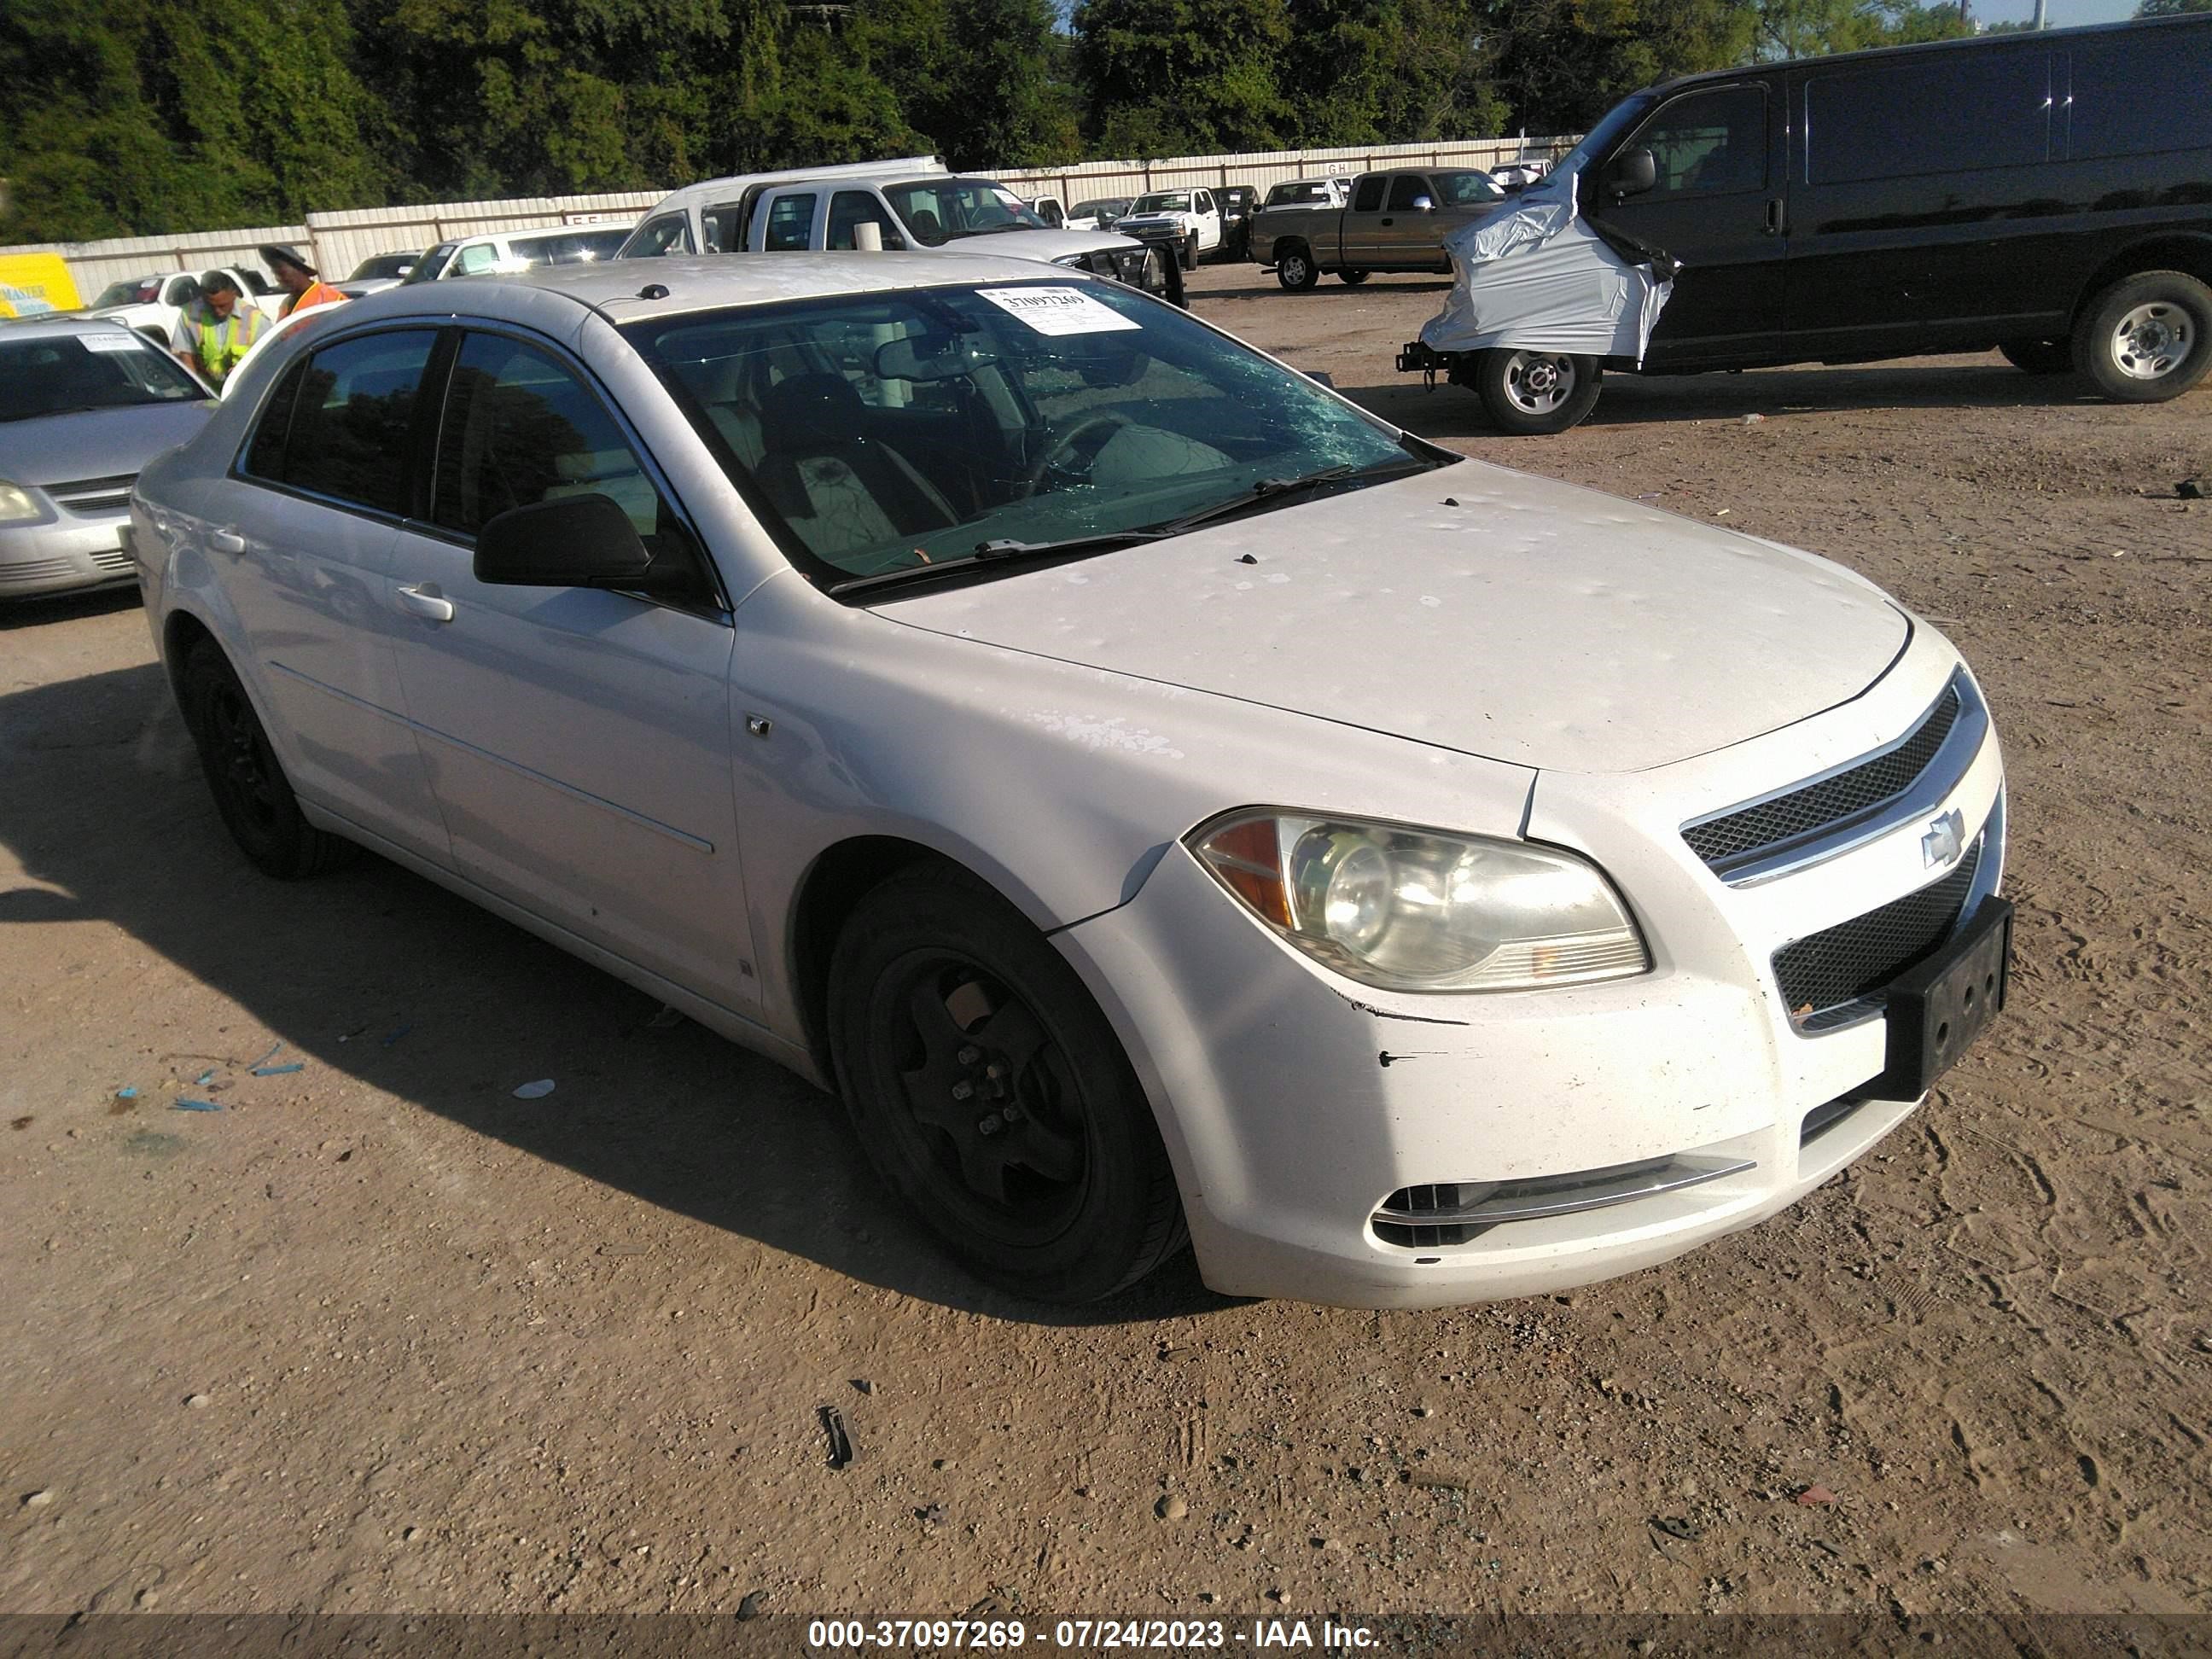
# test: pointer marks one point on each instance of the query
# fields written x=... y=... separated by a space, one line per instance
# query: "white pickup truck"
x=914 y=203
x=151 y=304
x=1189 y=221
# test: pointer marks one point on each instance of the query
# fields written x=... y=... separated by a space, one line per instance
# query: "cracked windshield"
x=891 y=433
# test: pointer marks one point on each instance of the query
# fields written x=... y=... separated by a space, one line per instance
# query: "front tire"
x=2148 y=338
x=991 y=1095
x=1295 y=271
x=251 y=791
x=1191 y=250
x=1536 y=393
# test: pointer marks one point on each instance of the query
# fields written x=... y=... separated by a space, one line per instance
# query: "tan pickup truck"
x=1395 y=221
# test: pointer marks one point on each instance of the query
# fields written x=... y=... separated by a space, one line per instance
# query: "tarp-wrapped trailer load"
x=1542 y=301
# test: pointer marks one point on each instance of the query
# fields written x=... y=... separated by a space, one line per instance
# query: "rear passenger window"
x=1987 y=111
x=790 y=219
x=724 y=227
x=1368 y=198
x=520 y=429
x=338 y=425
x=2132 y=100
x=1710 y=144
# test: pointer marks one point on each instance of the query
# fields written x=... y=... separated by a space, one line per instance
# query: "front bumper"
x=65 y=554
x=1296 y=1104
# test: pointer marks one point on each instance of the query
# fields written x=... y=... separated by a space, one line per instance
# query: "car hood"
x=1035 y=244
x=1154 y=218
x=98 y=443
x=1522 y=620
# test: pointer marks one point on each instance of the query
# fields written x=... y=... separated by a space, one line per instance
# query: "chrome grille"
x=1830 y=978
x=1455 y=1212
x=1829 y=815
x=95 y=495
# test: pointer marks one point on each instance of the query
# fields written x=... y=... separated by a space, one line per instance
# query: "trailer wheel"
x=1533 y=394
x=1295 y=269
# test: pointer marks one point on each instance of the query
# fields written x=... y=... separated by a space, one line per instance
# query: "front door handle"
x=426 y=602
x=227 y=541
x=1774 y=221
x=1390 y=222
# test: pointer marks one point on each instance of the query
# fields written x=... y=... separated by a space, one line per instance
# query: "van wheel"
x=1532 y=393
x=2039 y=356
x=1295 y=271
x=1353 y=278
x=250 y=787
x=2146 y=339
x=991 y=1095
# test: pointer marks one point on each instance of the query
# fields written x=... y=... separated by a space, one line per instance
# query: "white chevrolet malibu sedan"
x=1159 y=798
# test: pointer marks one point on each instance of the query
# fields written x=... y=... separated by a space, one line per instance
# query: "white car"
x=509 y=254
x=152 y=303
x=1189 y=219
x=1153 y=792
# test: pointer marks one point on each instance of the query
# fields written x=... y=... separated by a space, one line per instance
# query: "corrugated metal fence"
x=340 y=240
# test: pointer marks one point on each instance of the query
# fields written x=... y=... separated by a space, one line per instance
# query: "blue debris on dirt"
x=537 y=1090
x=256 y=1067
x=185 y=1103
x=280 y=1071
x=387 y=1041
x=203 y=1079
x=126 y=1092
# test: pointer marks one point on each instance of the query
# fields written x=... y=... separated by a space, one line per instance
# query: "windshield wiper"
x=1001 y=551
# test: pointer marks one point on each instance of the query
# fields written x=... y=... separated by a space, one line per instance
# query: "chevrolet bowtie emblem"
x=1945 y=840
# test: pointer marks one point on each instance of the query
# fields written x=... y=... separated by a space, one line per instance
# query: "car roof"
x=44 y=328
x=1925 y=48
x=709 y=281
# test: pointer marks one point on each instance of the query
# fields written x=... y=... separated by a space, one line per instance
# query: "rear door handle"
x=1774 y=221
x=227 y=541
x=426 y=602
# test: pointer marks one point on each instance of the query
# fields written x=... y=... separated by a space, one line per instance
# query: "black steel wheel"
x=250 y=788
x=991 y=1094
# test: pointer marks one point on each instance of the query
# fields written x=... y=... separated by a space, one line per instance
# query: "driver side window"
x=1368 y=197
x=1710 y=144
x=670 y=234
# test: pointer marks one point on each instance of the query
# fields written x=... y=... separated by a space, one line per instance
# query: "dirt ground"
x=378 y=1335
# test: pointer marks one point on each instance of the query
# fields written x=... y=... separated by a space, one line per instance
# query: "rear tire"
x=2148 y=338
x=1353 y=278
x=1536 y=393
x=2040 y=356
x=250 y=788
x=1295 y=269
x=993 y=1097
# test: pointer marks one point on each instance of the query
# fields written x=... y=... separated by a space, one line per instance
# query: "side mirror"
x=1633 y=171
x=571 y=541
x=1424 y=204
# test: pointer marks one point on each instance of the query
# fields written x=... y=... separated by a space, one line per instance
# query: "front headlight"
x=17 y=504
x=1407 y=910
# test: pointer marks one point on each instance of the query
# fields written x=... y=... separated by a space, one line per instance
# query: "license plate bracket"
x=1937 y=1010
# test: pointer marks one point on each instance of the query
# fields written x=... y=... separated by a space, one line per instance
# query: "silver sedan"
x=83 y=406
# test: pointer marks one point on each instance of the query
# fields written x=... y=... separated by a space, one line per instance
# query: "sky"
x=2062 y=12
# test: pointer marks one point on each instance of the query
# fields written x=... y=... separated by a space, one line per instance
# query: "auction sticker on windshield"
x=1057 y=310
x=119 y=341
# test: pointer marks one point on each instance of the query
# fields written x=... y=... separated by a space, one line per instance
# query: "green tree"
x=1560 y=64
x=1804 y=28
x=117 y=120
x=1386 y=71
x=2172 y=8
x=1166 y=77
x=979 y=79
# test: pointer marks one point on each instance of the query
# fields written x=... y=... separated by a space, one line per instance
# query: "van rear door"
x=1716 y=206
